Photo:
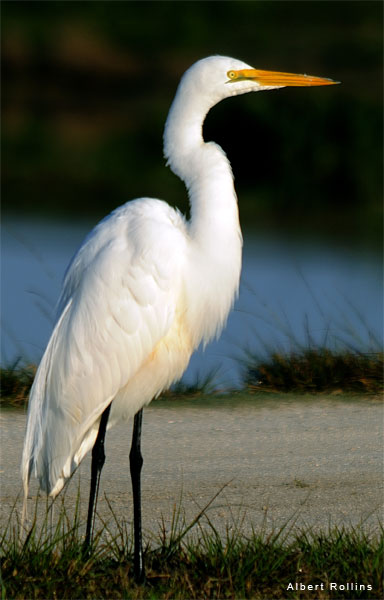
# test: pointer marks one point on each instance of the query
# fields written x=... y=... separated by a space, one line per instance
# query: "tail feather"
x=56 y=438
x=38 y=436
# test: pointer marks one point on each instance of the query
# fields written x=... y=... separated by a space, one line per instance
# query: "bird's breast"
x=164 y=365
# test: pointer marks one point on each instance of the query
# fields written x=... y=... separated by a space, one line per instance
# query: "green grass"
x=311 y=370
x=316 y=370
x=49 y=563
x=16 y=381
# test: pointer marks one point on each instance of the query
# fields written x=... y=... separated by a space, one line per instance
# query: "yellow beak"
x=275 y=78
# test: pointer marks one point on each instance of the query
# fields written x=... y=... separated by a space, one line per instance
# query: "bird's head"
x=219 y=77
x=203 y=85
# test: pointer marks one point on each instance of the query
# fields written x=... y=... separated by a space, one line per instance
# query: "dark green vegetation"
x=15 y=383
x=312 y=370
x=200 y=565
x=87 y=86
x=318 y=370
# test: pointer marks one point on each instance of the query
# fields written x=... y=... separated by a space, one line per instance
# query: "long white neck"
x=203 y=167
x=214 y=225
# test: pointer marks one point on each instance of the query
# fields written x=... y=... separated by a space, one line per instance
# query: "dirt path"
x=319 y=461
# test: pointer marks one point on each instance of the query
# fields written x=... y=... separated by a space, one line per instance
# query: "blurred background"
x=86 y=90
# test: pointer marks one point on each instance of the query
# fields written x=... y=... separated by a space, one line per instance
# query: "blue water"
x=291 y=291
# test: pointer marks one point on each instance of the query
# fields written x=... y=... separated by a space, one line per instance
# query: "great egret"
x=143 y=291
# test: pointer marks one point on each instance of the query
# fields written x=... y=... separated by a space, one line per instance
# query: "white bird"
x=143 y=291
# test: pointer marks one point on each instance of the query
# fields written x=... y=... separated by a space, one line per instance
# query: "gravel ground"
x=315 y=461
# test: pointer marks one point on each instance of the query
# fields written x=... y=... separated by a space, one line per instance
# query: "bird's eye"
x=232 y=74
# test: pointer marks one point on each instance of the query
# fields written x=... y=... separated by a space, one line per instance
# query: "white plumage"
x=145 y=288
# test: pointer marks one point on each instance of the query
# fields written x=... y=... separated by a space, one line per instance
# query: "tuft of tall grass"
x=15 y=383
x=317 y=370
x=49 y=562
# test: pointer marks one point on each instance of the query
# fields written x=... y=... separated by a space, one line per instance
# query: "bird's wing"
x=119 y=299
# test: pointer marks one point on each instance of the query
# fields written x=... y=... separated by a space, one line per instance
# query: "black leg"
x=136 y=462
x=98 y=459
